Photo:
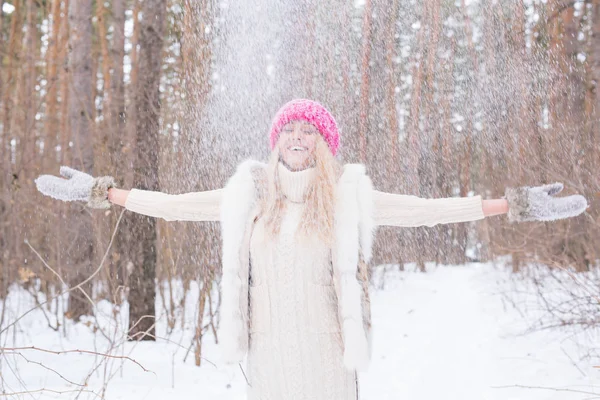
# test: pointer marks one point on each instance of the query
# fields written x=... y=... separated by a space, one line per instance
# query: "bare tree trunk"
x=2 y=47
x=392 y=115
x=592 y=138
x=8 y=94
x=364 y=87
x=4 y=182
x=17 y=126
x=81 y=109
x=130 y=123
x=29 y=154
x=414 y=142
x=52 y=61
x=117 y=87
x=427 y=165
x=594 y=89
x=65 y=134
x=127 y=150
x=102 y=63
x=415 y=111
x=116 y=138
x=196 y=53
x=106 y=60
x=142 y=291
x=204 y=294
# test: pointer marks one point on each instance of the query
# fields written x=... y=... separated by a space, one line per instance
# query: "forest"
x=438 y=98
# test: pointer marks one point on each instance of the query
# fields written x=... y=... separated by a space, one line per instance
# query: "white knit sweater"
x=296 y=349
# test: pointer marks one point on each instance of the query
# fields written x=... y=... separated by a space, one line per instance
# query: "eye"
x=309 y=132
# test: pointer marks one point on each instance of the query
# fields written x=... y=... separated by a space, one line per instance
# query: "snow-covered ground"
x=447 y=334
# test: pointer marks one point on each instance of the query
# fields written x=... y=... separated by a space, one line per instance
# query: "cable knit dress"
x=296 y=349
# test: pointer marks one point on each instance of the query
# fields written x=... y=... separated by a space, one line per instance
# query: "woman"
x=297 y=234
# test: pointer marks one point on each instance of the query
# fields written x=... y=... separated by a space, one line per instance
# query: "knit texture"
x=193 y=206
x=389 y=209
x=310 y=111
x=409 y=211
x=539 y=204
x=78 y=186
x=296 y=350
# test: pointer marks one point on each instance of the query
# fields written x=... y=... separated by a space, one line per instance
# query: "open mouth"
x=297 y=148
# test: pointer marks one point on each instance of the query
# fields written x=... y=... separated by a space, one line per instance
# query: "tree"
x=364 y=87
x=142 y=290
x=81 y=108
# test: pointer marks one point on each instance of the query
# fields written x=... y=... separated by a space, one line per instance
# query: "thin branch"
x=16 y=349
x=544 y=388
x=49 y=369
x=573 y=362
x=46 y=390
x=245 y=377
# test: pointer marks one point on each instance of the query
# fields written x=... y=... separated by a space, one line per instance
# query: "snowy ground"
x=447 y=334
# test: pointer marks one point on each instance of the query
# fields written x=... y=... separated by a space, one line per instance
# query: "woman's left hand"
x=539 y=204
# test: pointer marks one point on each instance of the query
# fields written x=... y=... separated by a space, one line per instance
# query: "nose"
x=297 y=133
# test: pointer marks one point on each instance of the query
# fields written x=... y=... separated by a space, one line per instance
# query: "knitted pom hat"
x=310 y=111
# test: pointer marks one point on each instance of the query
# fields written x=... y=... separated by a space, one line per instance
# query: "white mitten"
x=78 y=186
x=538 y=204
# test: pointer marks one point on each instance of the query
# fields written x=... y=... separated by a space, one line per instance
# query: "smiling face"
x=297 y=142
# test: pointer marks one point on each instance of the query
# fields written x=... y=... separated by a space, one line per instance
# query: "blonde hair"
x=319 y=196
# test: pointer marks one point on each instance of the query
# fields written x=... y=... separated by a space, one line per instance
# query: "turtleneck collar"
x=295 y=183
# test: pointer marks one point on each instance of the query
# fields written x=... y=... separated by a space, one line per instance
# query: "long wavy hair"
x=319 y=196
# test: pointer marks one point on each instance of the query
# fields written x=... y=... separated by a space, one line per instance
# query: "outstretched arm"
x=100 y=192
x=410 y=211
x=521 y=204
x=193 y=206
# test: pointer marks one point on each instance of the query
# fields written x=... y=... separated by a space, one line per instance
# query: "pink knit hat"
x=310 y=111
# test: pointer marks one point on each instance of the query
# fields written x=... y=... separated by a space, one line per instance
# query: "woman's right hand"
x=78 y=186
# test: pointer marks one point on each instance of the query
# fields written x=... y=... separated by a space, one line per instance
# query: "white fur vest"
x=353 y=229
